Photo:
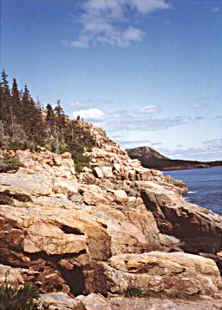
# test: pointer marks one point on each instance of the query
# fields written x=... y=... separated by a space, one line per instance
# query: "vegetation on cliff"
x=25 y=124
x=22 y=298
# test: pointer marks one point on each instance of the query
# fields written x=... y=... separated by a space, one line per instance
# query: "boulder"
x=51 y=239
x=29 y=184
x=98 y=172
x=64 y=186
x=60 y=301
x=144 y=174
x=93 y=195
x=159 y=274
x=56 y=242
x=94 y=302
x=53 y=231
x=151 y=303
x=199 y=229
x=107 y=171
x=120 y=196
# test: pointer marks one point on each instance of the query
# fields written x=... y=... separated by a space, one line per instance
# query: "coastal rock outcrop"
x=116 y=228
x=199 y=229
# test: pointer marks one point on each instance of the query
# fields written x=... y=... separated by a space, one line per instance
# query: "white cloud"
x=107 y=22
x=83 y=42
x=133 y=34
x=92 y=114
x=149 y=108
x=146 y=6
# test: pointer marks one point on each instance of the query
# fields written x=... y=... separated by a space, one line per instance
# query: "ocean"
x=204 y=186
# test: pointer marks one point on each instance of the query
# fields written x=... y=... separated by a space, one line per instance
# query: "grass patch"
x=23 y=298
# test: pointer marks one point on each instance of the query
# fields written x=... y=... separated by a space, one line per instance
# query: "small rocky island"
x=150 y=158
x=114 y=236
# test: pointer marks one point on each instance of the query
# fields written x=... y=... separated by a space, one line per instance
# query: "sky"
x=149 y=72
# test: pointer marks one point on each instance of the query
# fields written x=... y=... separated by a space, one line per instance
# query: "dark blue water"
x=204 y=186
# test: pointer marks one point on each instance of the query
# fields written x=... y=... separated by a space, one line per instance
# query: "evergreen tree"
x=6 y=90
x=15 y=106
x=60 y=126
x=15 y=92
x=50 y=116
x=60 y=115
x=7 y=116
x=5 y=99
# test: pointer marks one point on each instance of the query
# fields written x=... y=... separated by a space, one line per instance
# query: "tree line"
x=25 y=124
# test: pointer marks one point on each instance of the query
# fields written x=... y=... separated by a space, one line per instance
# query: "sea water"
x=204 y=186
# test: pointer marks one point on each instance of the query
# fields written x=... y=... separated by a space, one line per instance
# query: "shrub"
x=80 y=160
x=23 y=298
x=63 y=148
x=12 y=161
x=133 y=292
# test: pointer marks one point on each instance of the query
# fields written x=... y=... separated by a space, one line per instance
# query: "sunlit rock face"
x=160 y=274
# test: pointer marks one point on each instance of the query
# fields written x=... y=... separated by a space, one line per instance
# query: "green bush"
x=12 y=161
x=63 y=147
x=23 y=298
x=80 y=160
x=133 y=292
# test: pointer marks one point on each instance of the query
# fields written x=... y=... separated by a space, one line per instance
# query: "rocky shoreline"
x=115 y=236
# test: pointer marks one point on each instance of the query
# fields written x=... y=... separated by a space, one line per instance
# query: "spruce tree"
x=5 y=102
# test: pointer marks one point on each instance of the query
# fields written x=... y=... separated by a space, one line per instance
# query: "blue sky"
x=147 y=71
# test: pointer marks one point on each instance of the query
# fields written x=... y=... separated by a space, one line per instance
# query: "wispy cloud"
x=107 y=22
x=92 y=114
x=214 y=143
x=138 y=122
x=208 y=150
x=149 y=109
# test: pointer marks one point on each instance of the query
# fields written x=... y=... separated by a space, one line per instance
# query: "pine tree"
x=60 y=126
x=15 y=106
x=5 y=83
x=60 y=115
x=50 y=116
x=5 y=99
x=15 y=92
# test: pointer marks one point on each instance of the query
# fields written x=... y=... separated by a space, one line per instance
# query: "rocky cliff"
x=115 y=231
x=150 y=158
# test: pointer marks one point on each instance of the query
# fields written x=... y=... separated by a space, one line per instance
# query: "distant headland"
x=153 y=159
